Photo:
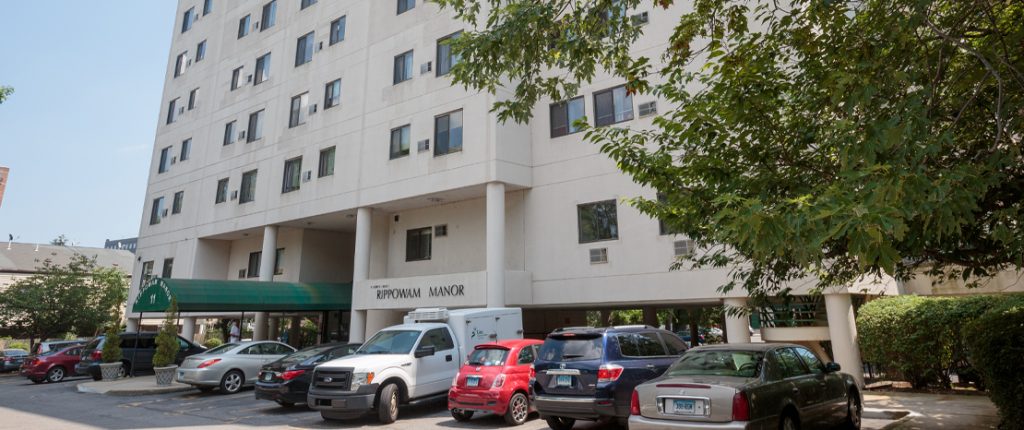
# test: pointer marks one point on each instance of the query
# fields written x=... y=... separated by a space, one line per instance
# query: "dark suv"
x=586 y=373
x=137 y=351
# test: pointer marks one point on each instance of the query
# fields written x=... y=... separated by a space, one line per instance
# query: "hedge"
x=996 y=346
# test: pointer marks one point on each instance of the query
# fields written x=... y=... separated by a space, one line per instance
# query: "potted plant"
x=167 y=347
x=111 y=368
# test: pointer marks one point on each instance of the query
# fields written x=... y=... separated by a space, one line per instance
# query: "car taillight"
x=499 y=381
x=533 y=372
x=740 y=407
x=292 y=374
x=634 y=404
x=609 y=372
x=208 y=363
x=96 y=355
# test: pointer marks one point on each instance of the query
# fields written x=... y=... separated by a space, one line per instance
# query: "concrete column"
x=842 y=329
x=259 y=331
x=132 y=324
x=737 y=329
x=188 y=328
x=275 y=328
x=495 y=245
x=360 y=270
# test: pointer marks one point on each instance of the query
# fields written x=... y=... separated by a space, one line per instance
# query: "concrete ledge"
x=137 y=386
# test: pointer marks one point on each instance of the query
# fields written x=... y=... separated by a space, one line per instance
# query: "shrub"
x=17 y=344
x=213 y=342
x=111 y=345
x=167 y=339
x=996 y=346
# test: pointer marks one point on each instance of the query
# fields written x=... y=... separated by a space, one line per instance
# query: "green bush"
x=167 y=339
x=213 y=342
x=111 y=345
x=17 y=344
x=995 y=342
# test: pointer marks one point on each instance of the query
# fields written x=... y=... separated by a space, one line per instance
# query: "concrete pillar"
x=188 y=328
x=737 y=328
x=275 y=328
x=132 y=324
x=842 y=329
x=259 y=331
x=495 y=245
x=360 y=270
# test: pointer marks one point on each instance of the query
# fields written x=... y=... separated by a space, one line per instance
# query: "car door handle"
x=448 y=358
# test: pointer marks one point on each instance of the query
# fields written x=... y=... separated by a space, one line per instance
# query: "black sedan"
x=286 y=380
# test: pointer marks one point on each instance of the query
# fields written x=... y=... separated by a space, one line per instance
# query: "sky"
x=78 y=131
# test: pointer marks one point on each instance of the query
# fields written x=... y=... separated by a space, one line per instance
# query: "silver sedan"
x=748 y=386
x=230 y=366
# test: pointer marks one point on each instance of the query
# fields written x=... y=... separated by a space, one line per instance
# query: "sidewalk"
x=139 y=385
x=933 y=411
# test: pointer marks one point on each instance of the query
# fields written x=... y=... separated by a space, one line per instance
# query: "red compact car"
x=495 y=378
x=52 y=366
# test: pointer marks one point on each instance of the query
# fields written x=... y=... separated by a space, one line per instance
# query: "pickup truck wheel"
x=387 y=405
x=560 y=423
x=518 y=409
x=461 y=415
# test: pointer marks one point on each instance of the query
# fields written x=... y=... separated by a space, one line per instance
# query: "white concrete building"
x=397 y=181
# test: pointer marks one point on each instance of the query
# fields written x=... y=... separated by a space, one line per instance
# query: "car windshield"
x=743 y=364
x=488 y=357
x=221 y=349
x=390 y=342
x=306 y=354
x=572 y=347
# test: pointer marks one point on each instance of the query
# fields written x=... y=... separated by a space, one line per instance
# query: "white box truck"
x=408 y=363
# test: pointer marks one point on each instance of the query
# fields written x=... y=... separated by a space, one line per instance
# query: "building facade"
x=322 y=141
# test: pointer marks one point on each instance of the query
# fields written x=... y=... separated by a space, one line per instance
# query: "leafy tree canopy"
x=5 y=92
x=822 y=138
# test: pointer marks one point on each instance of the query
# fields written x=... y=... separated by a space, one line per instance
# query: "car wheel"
x=231 y=382
x=56 y=374
x=788 y=422
x=125 y=370
x=286 y=404
x=560 y=423
x=518 y=409
x=387 y=406
x=854 y=411
x=461 y=415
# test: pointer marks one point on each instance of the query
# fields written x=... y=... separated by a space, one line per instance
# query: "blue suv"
x=587 y=373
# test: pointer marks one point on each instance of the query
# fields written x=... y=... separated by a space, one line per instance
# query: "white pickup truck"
x=408 y=363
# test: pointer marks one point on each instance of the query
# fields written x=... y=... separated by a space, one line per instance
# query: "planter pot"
x=111 y=371
x=165 y=375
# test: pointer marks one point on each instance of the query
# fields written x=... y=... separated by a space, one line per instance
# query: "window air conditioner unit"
x=256 y=25
x=441 y=230
x=307 y=176
x=684 y=248
x=241 y=135
x=181 y=110
x=648 y=109
x=174 y=159
x=312 y=108
x=188 y=63
x=423 y=145
x=241 y=273
x=426 y=67
x=598 y=255
x=641 y=18
x=234 y=195
x=248 y=78
x=165 y=213
x=320 y=46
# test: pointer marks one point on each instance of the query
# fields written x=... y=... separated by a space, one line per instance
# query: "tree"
x=78 y=297
x=61 y=240
x=167 y=346
x=810 y=138
x=5 y=92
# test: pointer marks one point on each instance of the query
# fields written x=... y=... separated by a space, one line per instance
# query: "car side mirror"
x=832 y=367
x=424 y=351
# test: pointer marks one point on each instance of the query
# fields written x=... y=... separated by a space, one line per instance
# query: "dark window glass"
x=147 y=272
x=248 y=191
x=445 y=57
x=337 y=30
x=332 y=94
x=269 y=15
x=253 y=271
x=179 y=198
x=172 y=111
x=188 y=19
x=564 y=114
x=200 y=51
x=417 y=244
x=326 y=167
x=405 y=5
x=663 y=228
x=403 y=67
x=262 y=69
x=236 y=78
x=790 y=363
x=645 y=344
x=399 y=142
x=304 y=49
x=612 y=106
x=598 y=221
x=439 y=338
x=229 y=133
x=300 y=104
x=278 y=258
x=165 y=160
x=717 y=362
x=156 y=211
x=243 y=26
x=255 y=126
x=306 y=3
x=811 y=360
x=180 y=63
x=207 y=7
x=674 y=344
x=292 y=175
x=168 y=268
x=575 y=348
x=448 y=133
x=526 y=355
x=192 y=96
x=222 y=191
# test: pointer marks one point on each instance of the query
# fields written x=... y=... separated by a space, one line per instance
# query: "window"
x=222 y=191
x=269 y=15
x=236 y=78
x=186 y=149
x=399 y=142
x=598 y=221
x=278 y=258
x=674 y=344
x=790 y=364
x=448 y=133
x=229 y=133
x=300 y=106
x=646 y=344
x=326 y=162
x=243 y=26
x=156 y=212
x=248 y=191
x=292 y=175
x=337 y=30
x=445 y=57
x=304 y=49
x=526 y=355
x=332 y=94
x=180 y=63
x=613 y=106
x=207 y=7
x=306 y=3
x=811 y=360
x=179 y=198
x=262 y=69
x=253 y=270
x=200 y=51
x=564 y=114
x=405 y=5
x=172 y=111
x=147 y=272
x=192 y=95
x=165 y=160
x=439 y=338
x=403 y=67
x=255 y=126
x=188 y=19
x=664 y=229
x=417 y=244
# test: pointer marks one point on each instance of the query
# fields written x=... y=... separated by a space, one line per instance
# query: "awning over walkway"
x=201 y=295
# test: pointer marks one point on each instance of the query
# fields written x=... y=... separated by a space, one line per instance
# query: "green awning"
x=202 y=295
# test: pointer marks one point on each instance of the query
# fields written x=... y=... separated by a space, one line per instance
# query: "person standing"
x=234 y=333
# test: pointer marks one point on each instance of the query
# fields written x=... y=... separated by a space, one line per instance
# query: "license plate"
x=472 y=381
x=267 y=376
x=181 y=374
x=563 y=380
x=685 y=406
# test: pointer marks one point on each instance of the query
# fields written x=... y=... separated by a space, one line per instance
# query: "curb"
x=82 y=388
x=904 y=416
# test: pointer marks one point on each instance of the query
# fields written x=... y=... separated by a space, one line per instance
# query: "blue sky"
x=78 y=132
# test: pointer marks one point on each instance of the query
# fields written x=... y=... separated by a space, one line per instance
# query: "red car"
x=495 y=378
x=52 y=366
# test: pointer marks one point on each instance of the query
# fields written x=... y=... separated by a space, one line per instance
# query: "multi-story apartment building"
x=322 y=141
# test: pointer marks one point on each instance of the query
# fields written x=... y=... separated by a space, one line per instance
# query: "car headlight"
x=360 y=379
